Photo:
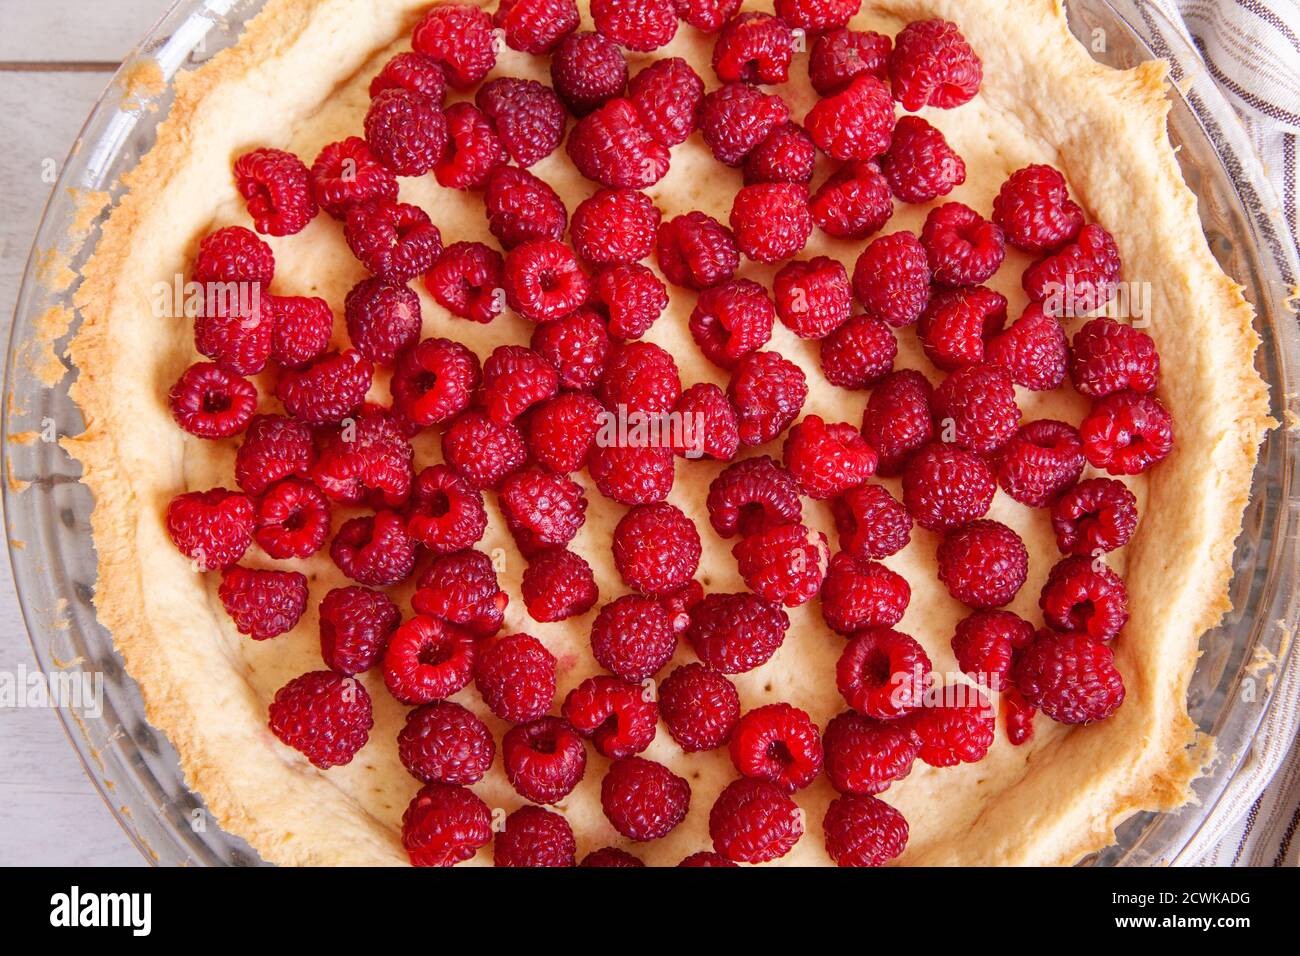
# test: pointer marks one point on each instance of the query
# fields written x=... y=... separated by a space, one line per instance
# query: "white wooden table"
x=55 y=58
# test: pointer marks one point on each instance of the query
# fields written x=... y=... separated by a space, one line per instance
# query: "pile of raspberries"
x=520 y=421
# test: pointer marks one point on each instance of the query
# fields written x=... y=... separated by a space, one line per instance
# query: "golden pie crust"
x=297 y=80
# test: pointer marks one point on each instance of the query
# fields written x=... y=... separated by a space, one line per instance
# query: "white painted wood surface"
x=56 y=57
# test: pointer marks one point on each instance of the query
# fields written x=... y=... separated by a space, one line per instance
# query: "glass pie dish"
x=48 y=509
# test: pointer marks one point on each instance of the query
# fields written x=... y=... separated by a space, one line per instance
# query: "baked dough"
x=297 y=80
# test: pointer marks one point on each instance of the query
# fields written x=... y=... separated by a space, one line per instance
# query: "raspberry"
x=633 y=297
x=730 y=320
x=641 y=25
x=615 y=225
x=1127 y=433
x=293 y=520
x=445 y=825
x=276 y=187
x=734 y=633
x=962 y=246
x=534 y=837
x=786 y=155
x=840 y=56
x=752 y=496
x=1040 y=461
x=458 y=36
x=883 y=673
x=986 y=643
x=274 y=447
x=785 y=564
x=467 y=281
x=898 y=419
x=707 y=15
x=557 y=585
x=976 y=408
x=391 y=239
x=892 y=279
x=542 y=509
x=375 y=551
x=956 y=322
x=1107 y=357
x=854 y=123
x=577 y=346
x=462 y=588
x=632 y=475
x=1035 y=210
x=327 y=390
x=696 y=251
x=643 y=800
x=706 y=857
x=668 y=96
x=301 y=328
x=872 y=523
x=1099 y=514
x=777 y=743
x=587 y=71
x=535 y=26
x=427 y=660
x=736 y=117
x=1071 y=678
x=325 y=717
x=516 y=676
x=414 y=72
x=526 y=114
x=473 y=149
x=212 y=528
x=611 y=146
x=827 y=460
x=382 y=318
x=1079 y=278
x=853 y=202
x=347 y=172
x=615 y=713
x=944 y=487
x=678 y=604
x=771 y=221
x=865 y=756
x=1018 y=715
x=656 y=548
x=263 y=604
x=610 y=856
x=520 y=207
x=933 y=65
x=434 y=381
x=983 y=564
x=753 y=48
x=817 y=16
x=863 y=831
x=406 y=132
x=1032 y=349
x=708 y=423
x=561 y=431
x=919 y=164
x=369 y=459
x=768 y=392
x=862 y=594
x=543 y=281
x=859 y=353
x=957 y=728
x=642 y=377
x=443 y=741
x=1082 y=594
x=544 y=760
x=235 y=339
x=699 y=706
x=632 y=637
x=210 y=402
x=355 y=624
x=812 y=297
x=514 y=379
x=753 y=821
x=234 y=254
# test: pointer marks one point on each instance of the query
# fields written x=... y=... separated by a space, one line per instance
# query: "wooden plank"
x=74 y=30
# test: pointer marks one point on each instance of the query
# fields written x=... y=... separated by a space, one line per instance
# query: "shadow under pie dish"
x=1050 y=800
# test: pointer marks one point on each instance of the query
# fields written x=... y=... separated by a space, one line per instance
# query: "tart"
x=404 y=737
